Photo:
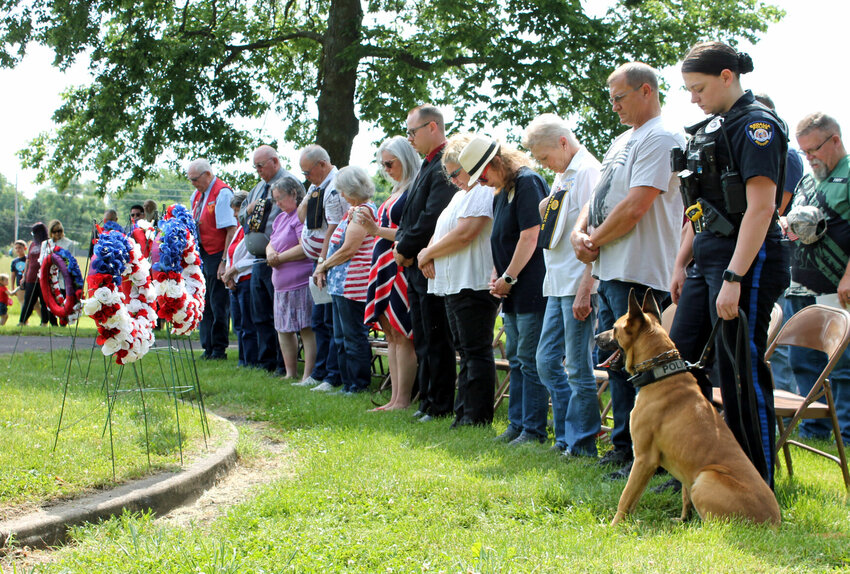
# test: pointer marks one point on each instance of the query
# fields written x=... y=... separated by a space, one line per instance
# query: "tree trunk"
x=337 y=123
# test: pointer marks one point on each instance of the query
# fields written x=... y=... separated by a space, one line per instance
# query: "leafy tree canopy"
x=175 y=80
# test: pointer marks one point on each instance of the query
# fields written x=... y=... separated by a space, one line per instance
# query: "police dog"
x=674 y=426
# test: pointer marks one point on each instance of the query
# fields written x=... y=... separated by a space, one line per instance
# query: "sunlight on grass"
x=31 y=471
x=379 y=492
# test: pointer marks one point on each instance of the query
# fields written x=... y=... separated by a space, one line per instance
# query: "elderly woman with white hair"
x=564 y=361
x=346 y=273
x=458 y=263
x=386 y=295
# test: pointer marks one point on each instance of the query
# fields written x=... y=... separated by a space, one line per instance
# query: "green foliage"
x=180 y=80
x=79 y=205
x=7 y=212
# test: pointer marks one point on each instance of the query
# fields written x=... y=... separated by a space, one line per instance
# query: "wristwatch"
x=508 y=279
x=732 y=277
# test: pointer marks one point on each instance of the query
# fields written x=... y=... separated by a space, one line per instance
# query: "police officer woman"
x=730 y=256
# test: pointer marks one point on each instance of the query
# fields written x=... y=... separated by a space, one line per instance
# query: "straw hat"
x=477 y=154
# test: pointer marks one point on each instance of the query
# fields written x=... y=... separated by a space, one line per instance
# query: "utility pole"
x=16 y=207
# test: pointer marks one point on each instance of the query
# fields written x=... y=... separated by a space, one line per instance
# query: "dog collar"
x=662 y=371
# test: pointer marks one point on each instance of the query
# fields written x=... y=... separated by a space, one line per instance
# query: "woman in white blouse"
x=458 y=264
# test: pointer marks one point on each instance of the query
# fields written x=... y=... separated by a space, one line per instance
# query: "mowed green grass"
x=379 y=492
x=32 y=471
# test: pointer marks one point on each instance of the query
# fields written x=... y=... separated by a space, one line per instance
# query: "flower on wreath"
x=125 y=321
x=178 y=282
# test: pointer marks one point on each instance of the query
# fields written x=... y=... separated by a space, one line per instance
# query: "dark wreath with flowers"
x=65 y=300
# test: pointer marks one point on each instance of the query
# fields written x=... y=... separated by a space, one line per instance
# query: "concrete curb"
x=160 y=493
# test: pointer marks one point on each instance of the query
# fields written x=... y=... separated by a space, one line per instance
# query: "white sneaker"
x=308 y=382
x=324 y=387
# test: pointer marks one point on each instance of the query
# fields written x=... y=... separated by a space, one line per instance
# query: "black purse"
x=315 y=209
x=256 y=239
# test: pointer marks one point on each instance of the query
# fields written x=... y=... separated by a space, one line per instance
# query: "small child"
x=5 y=298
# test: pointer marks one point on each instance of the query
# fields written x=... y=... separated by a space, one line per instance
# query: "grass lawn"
x=379 y=493
x=32 y=472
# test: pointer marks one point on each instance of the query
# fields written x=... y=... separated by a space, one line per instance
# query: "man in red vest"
x=210 y=205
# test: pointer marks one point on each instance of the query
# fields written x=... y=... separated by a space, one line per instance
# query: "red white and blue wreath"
x=177 y=276
x=64 y=301
x=124 y=324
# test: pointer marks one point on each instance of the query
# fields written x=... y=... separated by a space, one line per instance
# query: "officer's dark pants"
x=214 y=323
x=752 y=420
x=690 y=330
x=432 y=340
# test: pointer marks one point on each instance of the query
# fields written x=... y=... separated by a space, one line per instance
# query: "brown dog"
x=674 y=426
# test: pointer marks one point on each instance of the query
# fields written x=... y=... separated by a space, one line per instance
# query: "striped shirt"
x=350 y=279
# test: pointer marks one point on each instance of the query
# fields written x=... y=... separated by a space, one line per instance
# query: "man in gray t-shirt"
x=630 y=226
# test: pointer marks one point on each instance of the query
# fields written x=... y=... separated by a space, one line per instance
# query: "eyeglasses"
x=412 y=132
x=262 y=164
x=813 y=151
x=388 y=164
x=483 y=177
x=196 y=178
x=135 y=214
x=455 y=173
x=614 y=100
x=306 y=172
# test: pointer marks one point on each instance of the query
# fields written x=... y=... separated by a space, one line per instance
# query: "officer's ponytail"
x=713 y=57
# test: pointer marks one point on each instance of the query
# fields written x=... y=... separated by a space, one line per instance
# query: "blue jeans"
x=807 y=365
x=528 y=403
x=566 y=341
x=351 y=337
x=780 y=364
x=243 y=324
x=327 y=365
x=262 y=312
x=214 y=322
x=613 y=303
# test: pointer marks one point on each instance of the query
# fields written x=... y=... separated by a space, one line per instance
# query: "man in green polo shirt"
x=819 y=221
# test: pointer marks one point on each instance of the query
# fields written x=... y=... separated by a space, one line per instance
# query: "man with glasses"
x=321 y=211
x=267 y=164
x=629 y=227
x=427 y=196
x=137 y=212
x=210 y=204
x=819 y=222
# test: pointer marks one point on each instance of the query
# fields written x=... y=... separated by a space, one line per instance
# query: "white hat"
x=476 y=155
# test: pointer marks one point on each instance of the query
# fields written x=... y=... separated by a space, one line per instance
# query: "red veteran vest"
x=212 y=238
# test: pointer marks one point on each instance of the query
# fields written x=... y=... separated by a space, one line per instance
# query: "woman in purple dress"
x=291 y=272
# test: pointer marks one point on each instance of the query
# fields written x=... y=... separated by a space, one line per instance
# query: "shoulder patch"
x=761 y=133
